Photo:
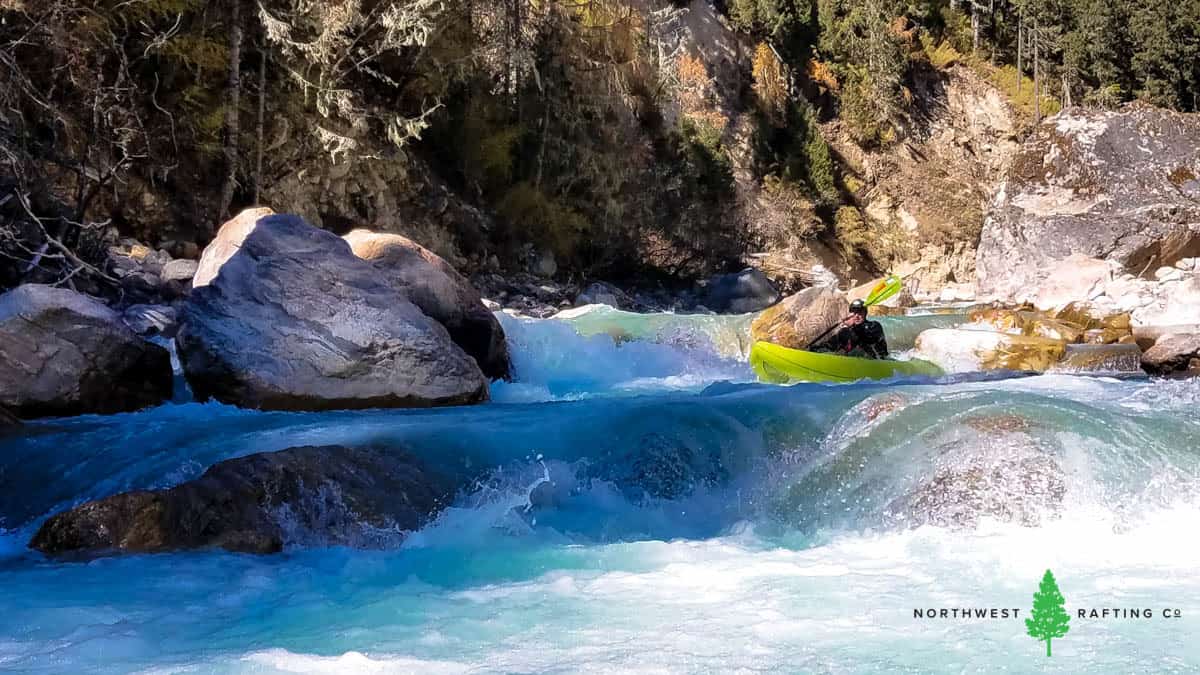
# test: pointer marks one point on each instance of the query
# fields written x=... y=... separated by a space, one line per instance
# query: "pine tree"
x=1048 y=619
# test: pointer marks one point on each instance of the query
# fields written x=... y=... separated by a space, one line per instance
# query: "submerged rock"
x=285 y=316
x=800 y=318
x=994 y=467
x=664 y=467
x=747 y=291
x=260 y=503
x=434 y=286
x=1172 y=352
x=63 y=353
x=1015 y=489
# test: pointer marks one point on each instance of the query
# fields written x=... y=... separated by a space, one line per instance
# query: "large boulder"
x=63 y=353
x=742 y=292
x=800 y=318
x=259 y=504
x=433 y=285
x=959 y=350
x=1120 y=189
x=285 y=316
x=1172 y=352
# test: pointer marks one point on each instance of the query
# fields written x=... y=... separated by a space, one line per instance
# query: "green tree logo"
x=1048 y=620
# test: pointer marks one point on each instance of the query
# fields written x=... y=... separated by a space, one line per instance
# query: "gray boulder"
x=1116 y=186
x=284 y=316
x=601 y=293
x=747 y=291
x=1172 y=352
x=434 y=286
x=63 y=353
x=179 y=270
x=260 y=503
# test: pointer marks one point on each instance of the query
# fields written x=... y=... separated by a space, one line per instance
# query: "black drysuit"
x=865 y=339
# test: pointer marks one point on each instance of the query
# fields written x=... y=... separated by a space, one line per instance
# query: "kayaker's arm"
x=834 y=343
x=875 y=343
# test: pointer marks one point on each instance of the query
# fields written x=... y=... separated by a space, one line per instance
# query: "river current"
x=639 y=503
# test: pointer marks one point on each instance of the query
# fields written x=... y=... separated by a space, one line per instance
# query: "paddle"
x=886 y=288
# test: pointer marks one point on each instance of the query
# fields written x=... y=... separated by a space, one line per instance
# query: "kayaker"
x=857 y=337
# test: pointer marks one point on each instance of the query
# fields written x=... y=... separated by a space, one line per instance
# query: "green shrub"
x=860 y=111
x=853 y=235
x=705 y=159
x=529 y=212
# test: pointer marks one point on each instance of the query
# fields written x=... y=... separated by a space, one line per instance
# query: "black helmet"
x=858 y=307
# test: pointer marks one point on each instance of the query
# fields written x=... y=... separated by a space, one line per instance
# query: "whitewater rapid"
x=638 y=503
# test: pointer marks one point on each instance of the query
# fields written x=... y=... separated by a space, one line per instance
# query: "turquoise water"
x=639 y=504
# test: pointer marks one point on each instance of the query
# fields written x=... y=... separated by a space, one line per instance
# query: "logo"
x=1049 y=619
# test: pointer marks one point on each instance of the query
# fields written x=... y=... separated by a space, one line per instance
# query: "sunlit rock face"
x=1116 y=193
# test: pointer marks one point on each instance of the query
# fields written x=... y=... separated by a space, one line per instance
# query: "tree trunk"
x=974 y=28
x=992 y=30
x=233 y=97
x=1020 y=44
x=262 y=115
x=1037 y=94
x=1047 y=646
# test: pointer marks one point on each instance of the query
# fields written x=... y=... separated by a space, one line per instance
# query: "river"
x=640 y=504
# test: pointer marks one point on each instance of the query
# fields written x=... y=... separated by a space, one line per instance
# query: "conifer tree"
x=1048 y=619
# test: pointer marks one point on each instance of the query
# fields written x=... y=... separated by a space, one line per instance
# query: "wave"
x=802 y=459
x=599 y=351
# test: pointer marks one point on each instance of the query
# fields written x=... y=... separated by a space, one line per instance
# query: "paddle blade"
x=883 y=290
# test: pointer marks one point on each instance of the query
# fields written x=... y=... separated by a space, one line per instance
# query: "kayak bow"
x=780 y=365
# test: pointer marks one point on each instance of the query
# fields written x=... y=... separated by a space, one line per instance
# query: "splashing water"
x=637 y=503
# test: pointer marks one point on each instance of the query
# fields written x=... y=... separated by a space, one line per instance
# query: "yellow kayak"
x=779 y=365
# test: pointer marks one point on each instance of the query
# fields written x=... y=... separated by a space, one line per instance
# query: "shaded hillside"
x=617 y=138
